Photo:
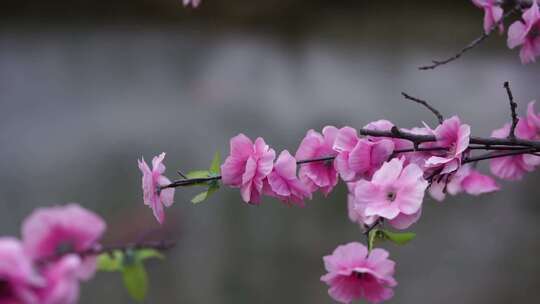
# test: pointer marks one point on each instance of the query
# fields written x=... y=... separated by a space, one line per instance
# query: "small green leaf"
x=110 y=262
x=371 y=238
x=199 y=197
x=198 y=174
x=135 y=281
x=400 y=238
x=216 y=162
x=144 y=254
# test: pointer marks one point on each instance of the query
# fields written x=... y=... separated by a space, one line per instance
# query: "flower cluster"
x=43 y=267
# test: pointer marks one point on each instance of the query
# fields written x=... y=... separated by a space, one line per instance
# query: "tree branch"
x=438 y=114
x=513 y=114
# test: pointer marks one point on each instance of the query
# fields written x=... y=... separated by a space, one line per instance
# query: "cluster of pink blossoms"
x=40 y=268
x=524 y=32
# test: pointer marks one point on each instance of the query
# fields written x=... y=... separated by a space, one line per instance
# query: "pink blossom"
x=492 y=14
x=533 y=120
x=526 y=33
x=392 y=191
x=62 y=281
x=152 y=181
x=247 y=166
x=385 y=125
x=514 y=167
x=18 y=280
x=193 y=3
x=465 y=179
x=283 y=183
x=316 y=175
x=359 y=157
x=454 y=136
x=47 y=232
x=353 y=274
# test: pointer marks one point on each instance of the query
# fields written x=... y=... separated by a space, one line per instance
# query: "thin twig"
x=470 y=46
x=513 y=108
x=498 y=155
x=438 y=114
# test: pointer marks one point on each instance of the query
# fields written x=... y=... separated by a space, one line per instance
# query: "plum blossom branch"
x=513 y=108
x=438 y=114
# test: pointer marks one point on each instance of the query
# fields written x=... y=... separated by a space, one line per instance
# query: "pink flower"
x=18 y=280
x=283 y=183
x=353 y=274
x=316 y=175
x=62 y=281
x=359 y=158
x=492 y=14
x=247 y=166
x=152 y=180
x=465 y=179
x=193 y=3
x=526 y=33
x=533 y=120
x=392 y=191
x=48 y=232
x=454 y=136
x=385 y=125
x=514 y=167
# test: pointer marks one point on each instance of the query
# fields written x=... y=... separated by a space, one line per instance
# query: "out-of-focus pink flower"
x=492 y=14
x=193 y=3
x=514 y=167
x=283 y=183
x=321 y=174
x=392 y=191
x=62 y=281
x=355 y=274
x=359 y=158
x=465 y=179
x=18 y=280
x=48 y=232
x=533 y=119
x=526 y=33
x=152 y=180
x=247 y=166
x=454 y=136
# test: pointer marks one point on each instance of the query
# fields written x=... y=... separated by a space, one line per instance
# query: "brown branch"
x=498 y=155
x=438 y=114
x=471 y=45
x=513 y=114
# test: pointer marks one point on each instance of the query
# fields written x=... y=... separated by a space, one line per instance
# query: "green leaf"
x=110 y=262
x=200 y=197
x=216 y=162
x=144 y=254
x=400 y=238
x=136 y=281
x=198 y=174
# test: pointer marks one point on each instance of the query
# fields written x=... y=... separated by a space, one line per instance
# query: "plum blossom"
x=492 y=14
x=393 y=190
x=466 y=179
x=514 y=167
x=47 y=232
x=18 y=280
x=359 y=158
x=533 y=121
x=247 y=166
x=283 y=183
x=317 y=175
x=526 y=33
x=193 y=3
x=354 y=274
x=152 y=181
x=454 y=136
x=62 y=285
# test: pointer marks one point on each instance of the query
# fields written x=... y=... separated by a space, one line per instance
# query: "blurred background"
x=87 y=87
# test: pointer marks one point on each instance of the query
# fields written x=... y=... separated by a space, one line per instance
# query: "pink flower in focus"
x=392 y=191
x=454 y=136
x=17 y=277
x=526 y=33
x=514 y=167
x=247 y=166
x=492 y=14
x=385 y=125
x=62 y=281
x=359 y=157
x=283 y=183
x=48 y=232
x=321 y=174
x=193 y=3
x=152 y=180
x=353 y=274
x=465 y=179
